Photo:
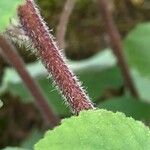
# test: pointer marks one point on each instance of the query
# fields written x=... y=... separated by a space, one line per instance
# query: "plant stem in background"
x=11 y=55
x=63 y=22
x=117 y=45
x=52 y=58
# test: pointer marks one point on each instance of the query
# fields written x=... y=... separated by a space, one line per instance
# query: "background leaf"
x=98 y=130
x=132 y=107
x=7 y=11
x=137 y=48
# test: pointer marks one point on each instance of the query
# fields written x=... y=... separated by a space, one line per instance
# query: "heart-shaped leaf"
x=97 y=130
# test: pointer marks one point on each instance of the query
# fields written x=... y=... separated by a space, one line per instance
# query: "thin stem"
x=117 y=45
x=63 y=22
x=52 y=58
x=10 y=54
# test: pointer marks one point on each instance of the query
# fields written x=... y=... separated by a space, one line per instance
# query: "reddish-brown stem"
x=63 y=22
x=11 y=55
x=117 y=45
x=52 y=58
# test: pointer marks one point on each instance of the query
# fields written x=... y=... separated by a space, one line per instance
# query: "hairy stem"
x=11 y=55
x=52 y=58
x=117 y=45
x=63 y=22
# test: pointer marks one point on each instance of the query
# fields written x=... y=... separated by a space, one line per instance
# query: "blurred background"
x=87 y=46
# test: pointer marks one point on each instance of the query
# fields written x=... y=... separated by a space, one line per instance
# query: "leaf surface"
x=97 y=130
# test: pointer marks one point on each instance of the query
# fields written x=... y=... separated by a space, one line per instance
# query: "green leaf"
x=96 y=74
x=7 y=11
x=132 y=107
x=137 y=48
x=97 y=130
x=99 y=81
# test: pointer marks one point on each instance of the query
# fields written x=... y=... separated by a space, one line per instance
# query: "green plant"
x=92 y=128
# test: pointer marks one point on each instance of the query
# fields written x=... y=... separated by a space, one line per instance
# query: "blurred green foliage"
x=137 y=48
x=128 y=105
x=8 y=10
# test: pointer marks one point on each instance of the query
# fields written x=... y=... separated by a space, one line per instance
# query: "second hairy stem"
x=52 y=58
x=11 y=55
x=117 y=45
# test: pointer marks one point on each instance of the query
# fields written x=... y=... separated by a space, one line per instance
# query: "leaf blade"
x=97 y=129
